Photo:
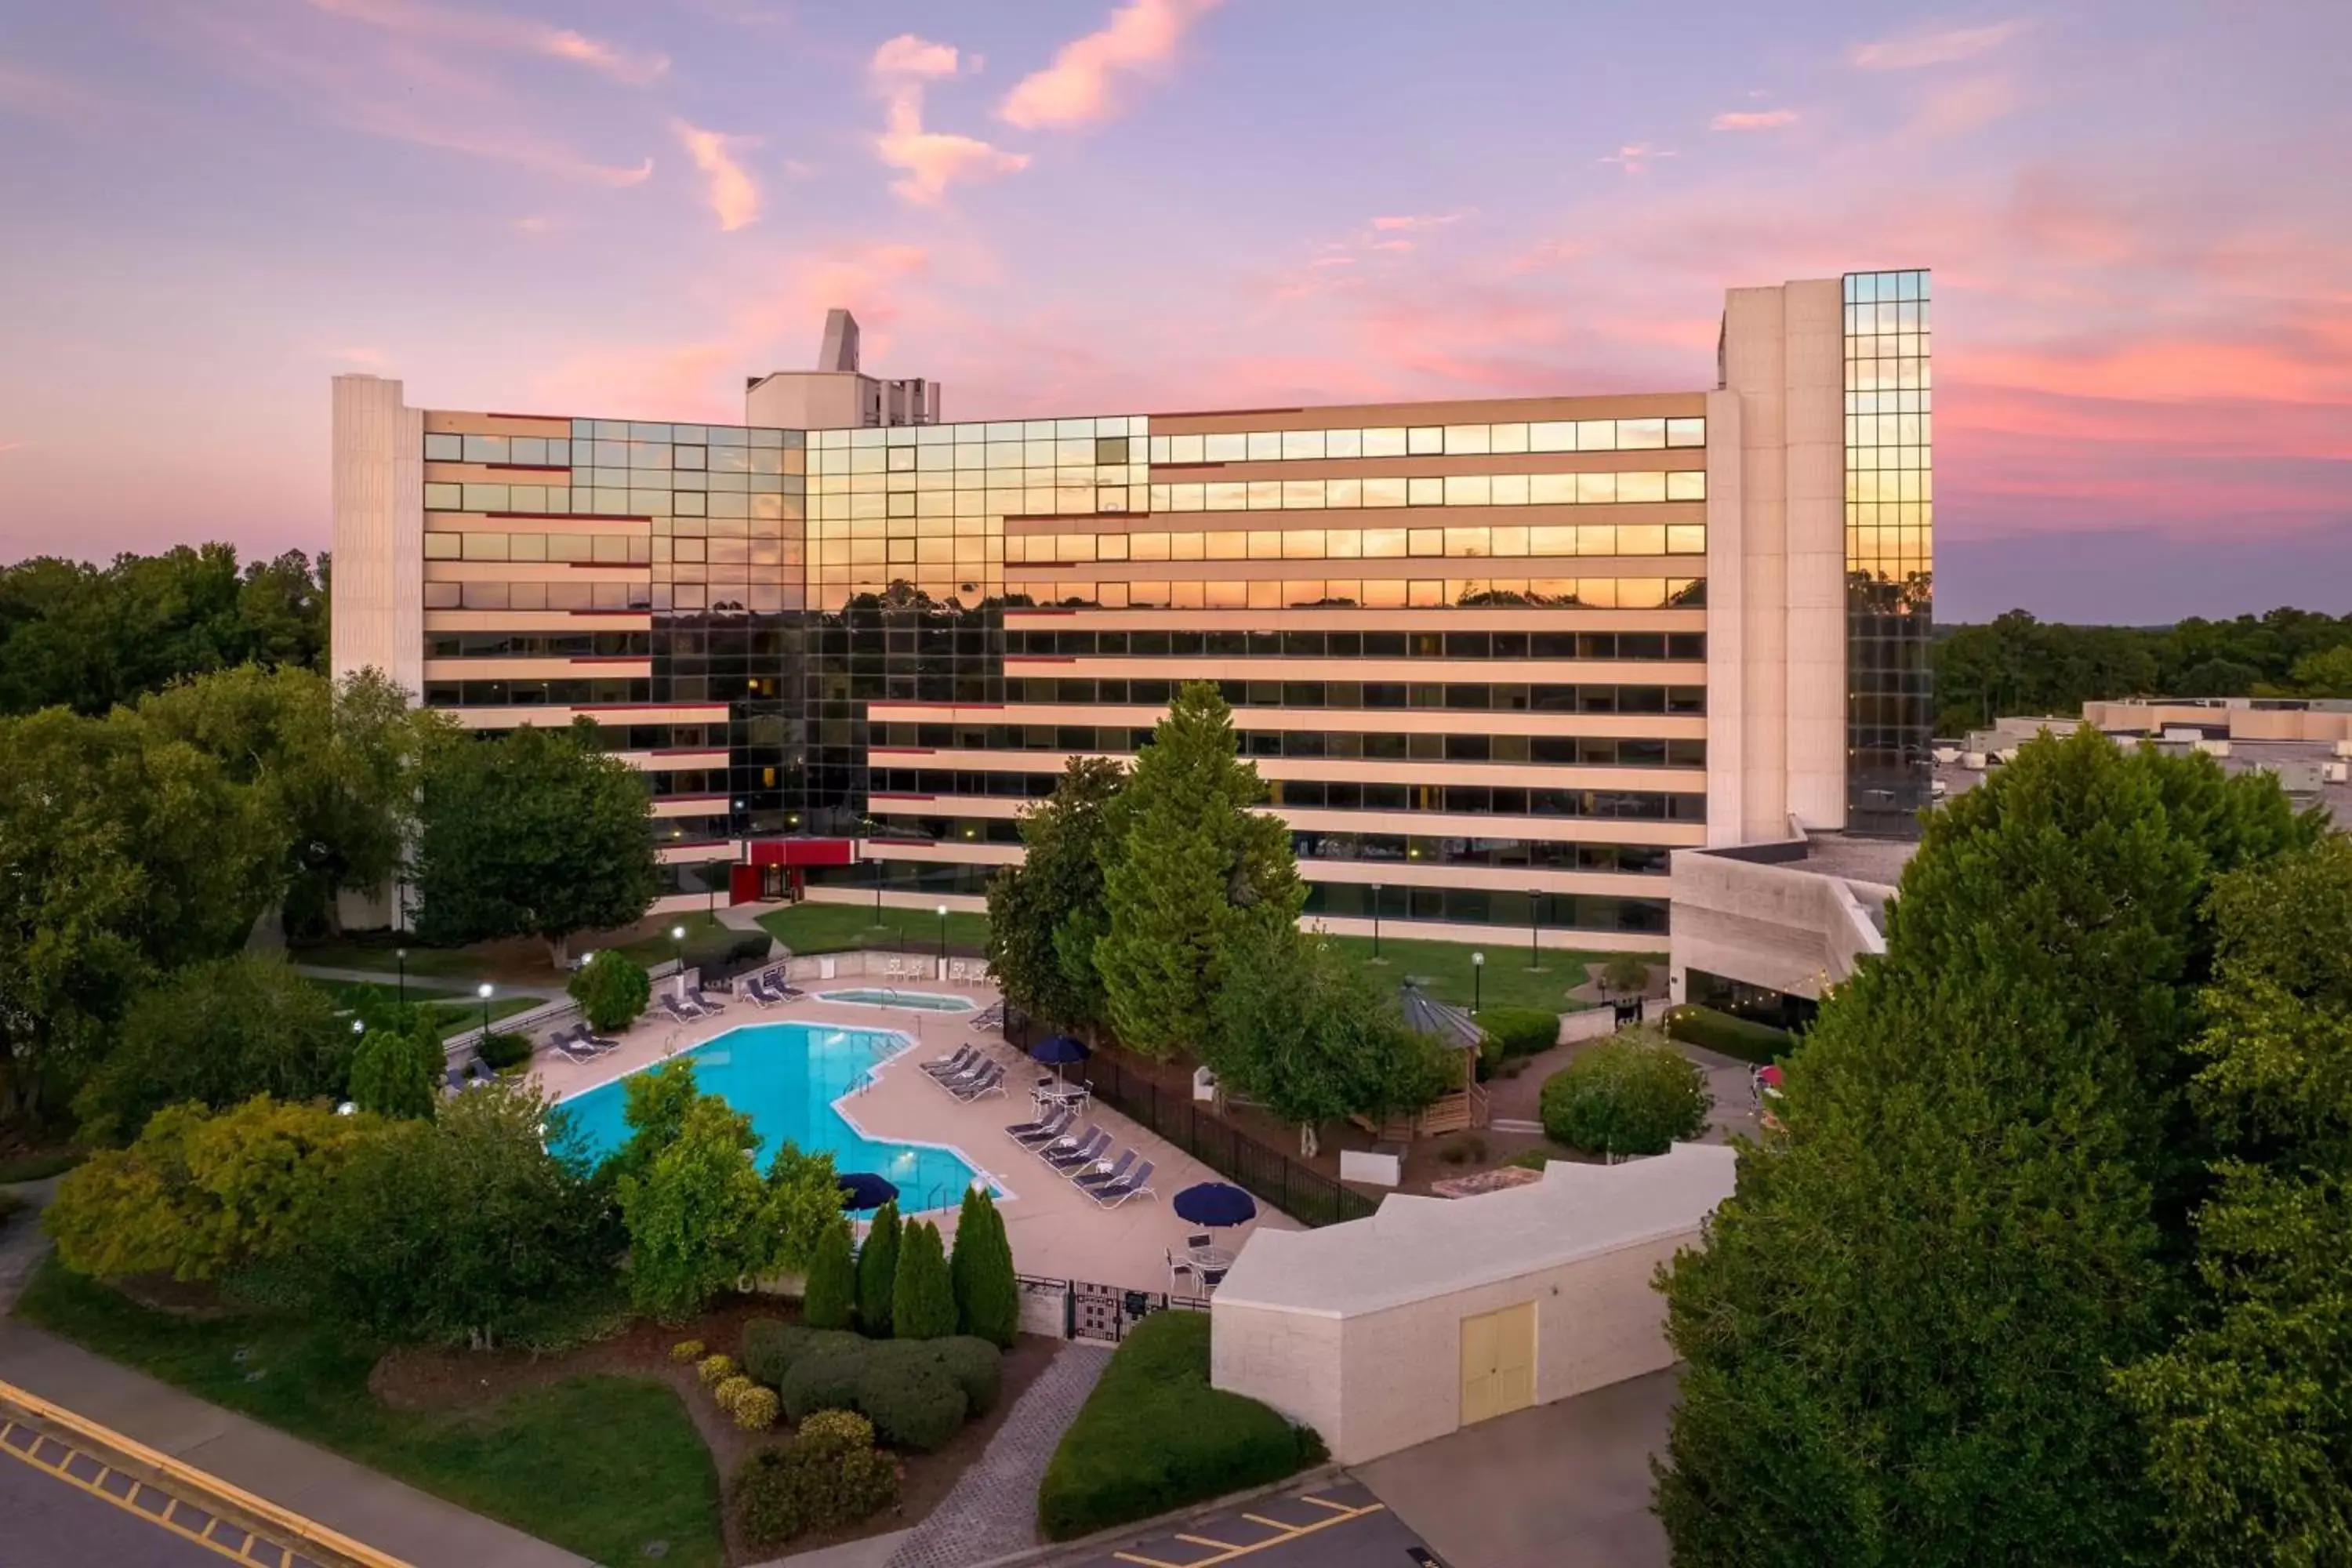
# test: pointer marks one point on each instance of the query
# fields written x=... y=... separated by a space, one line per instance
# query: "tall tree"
x=1047 y=913
x=980 y=1271
x=536 y=833
x=697 y=1217
x=922 y=1305
x=877 y=1272
x=1907 y=1313
x=2249 y=1431
x=1192 y=868
x=398 y=1072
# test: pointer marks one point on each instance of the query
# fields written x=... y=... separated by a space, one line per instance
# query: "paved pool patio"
x=1056 y=1229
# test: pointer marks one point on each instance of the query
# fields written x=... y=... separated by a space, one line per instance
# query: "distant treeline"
x=2017 y=665
x=88 y=638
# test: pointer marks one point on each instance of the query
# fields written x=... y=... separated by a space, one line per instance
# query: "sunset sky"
x=2137 y=211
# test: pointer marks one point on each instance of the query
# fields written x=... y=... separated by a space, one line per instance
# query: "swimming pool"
x=922 y=1001
x=786 y=1077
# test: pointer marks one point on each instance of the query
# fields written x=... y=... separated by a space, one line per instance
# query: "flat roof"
x=1417 y=1247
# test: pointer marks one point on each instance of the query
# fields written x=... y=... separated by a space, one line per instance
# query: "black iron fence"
x=1091 y=1312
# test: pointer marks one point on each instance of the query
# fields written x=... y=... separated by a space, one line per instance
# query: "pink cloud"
x=1919 y=50
x=1635 y=157
x=1079 y=88
x=491 y=30
x=1413 y=222
x=734 y=196
x=931 y=161
x=1965 y=106
x=1753 y=120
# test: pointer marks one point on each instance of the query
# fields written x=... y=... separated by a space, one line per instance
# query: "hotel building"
x=1495 y=659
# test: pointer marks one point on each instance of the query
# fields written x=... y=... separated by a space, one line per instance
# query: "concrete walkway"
x=361 y=1503
x=433 y=987
x=993 y=1510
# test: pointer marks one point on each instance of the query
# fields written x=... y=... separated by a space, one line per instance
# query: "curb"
x=1086 y=1545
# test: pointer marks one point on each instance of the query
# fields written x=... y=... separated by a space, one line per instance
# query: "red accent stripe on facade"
x=1218 y=413
x=574 y=516
x=892 y=795
x=911 y=702
x=902 y=751
x=562 y=419
x=532 y=468
x=1040 y=658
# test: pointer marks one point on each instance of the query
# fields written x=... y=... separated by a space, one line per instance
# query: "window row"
x=539 y=645
x=695 y=435
x=1432 y=441
x=1511 y=913
x=1107 y=740
x=977 y=456
x=1318 y=794
x=1356 y=645
x=535 y=693
x=537 y=597
x=617 y=455
x=1461 y=697
x=1374 y=592
x=755 y=496
x=1534 y=854
x=1474 y=541
x=1101 y=426
x=1034 y=501
x=1458 y=490
x=596 y=548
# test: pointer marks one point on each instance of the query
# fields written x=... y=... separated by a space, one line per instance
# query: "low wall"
x=1776 y=926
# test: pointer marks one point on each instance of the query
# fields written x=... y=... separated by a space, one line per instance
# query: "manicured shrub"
x=688 y=1350
x=1742 y=1038
x=824 y=1377
x=1633 y=1094
x=923 y=1305
x=819 y=1483
x=877 y=1272
x=843 y=1426
x=987 y=1297
x=1625 y=974
x=612 y=989
x=1154 y=1435
x=714 y=1369
x=1520 y=1031
x=755 y=1409
x=977 y=1366
x=502 y=1051
x=831 y=1283
x=770 y=1346
x=912 y=1400
x=729 y=1390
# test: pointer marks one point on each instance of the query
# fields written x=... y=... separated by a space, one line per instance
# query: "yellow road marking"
x=1204 y=1540
x=129 y=1502
x=1344 y=1513
x=1326 y=1503
x=1147 y=1561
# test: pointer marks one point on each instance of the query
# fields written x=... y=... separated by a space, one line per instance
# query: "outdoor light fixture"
x=1375 y=923
x=400 y=956
x=1535 y=913
x=359 y=1025
x=1478 y=982
x=483 y=991
x=943 y=938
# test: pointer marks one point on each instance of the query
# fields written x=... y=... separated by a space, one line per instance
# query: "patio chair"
x=1136 y=1184
x=955 y=1066
x=990 y=1082
x=1199 y=1241
x=1086 y=1177
x=1079 y=1158
x=1210 y=1280
x=1180 y=1268
x=1031 y=1135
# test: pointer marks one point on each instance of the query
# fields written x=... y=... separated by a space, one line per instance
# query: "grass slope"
x=599 y=1465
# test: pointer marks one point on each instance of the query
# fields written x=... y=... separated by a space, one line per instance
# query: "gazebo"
x=1454 y=1028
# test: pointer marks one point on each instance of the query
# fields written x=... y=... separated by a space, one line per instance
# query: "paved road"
x=54 y=1523
x=1337 y=1526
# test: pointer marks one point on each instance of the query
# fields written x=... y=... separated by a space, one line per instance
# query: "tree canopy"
x=1047 y=913
x=533 y=833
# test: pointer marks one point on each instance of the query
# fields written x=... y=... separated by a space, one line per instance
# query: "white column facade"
x=379 y=532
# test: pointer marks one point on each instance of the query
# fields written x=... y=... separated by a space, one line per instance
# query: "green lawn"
x=836 y=928
x=35 y=1167
x=1443 y=969
x=456 y=1011
x=652 y=950
x=376 y=957
x=601 y=1466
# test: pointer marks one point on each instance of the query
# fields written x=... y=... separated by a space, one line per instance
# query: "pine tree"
x=877 y=1272
x=987 y=1296
x=1047 y=912
x=923 y=1307
x=1190 y=866
x=832 y=1282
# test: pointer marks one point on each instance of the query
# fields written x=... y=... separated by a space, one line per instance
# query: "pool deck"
x=1055 y=1228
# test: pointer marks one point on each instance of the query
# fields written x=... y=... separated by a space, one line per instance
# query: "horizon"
x=2144 y=284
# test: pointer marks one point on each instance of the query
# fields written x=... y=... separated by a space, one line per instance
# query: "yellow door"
x=1498 y=1362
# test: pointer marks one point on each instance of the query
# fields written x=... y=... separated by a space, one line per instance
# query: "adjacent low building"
x=1436 y=1313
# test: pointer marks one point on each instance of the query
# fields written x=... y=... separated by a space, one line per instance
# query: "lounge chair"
x=755 y=987
x=990 y=1082
x=1065 y=1146
x=1090 y=1177
x=677 y=1011
x=1037 y=1134
x=956 y=1065
x=705 y=1002
x=1111 y=1194
x=456 y=1080
x=1085 y=1154
x=479 y=1074
x=783 y=989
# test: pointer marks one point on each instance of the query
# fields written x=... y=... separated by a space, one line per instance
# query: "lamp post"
x=1375 y=923
x=943 y=939
x=1535 y=913
x=483 y=991
x=400 y=956
x=1478 y=982
x=677 y=952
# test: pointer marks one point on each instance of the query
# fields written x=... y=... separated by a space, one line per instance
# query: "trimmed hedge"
x=1520 y=1031
x=913 y=1403
x=900 y=1385
x=830 y=1298
x=500 y=1050
x=821 y=1482
x=1630 y=1094
x=1154 y=1435
x=722 y=956
x=824 y=1377
x=976 y=1365
x=1735 y=1036
x=770 y=1346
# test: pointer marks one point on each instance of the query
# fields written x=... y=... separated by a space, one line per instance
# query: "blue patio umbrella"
x=865 y=1190
x=1059 y=1051
x=1215 y=1204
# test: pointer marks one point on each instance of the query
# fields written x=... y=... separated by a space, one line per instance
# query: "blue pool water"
x=785 y=1077
x=923 y=1000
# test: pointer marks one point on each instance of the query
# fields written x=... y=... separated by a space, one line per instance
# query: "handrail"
x=307 y=1531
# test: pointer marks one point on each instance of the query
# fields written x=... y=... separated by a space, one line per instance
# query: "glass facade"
x=1890 y=550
